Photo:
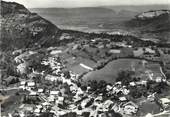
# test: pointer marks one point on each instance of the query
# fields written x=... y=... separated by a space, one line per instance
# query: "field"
x=3 y=98
x=11 y=104
x=10 y=101
x=111 y=70
x=74 y=65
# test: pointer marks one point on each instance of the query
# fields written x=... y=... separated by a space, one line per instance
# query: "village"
x=59 y=92
x=94 y=61
x=52 y=80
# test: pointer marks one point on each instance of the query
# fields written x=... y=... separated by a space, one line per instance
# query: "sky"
x=84 y=3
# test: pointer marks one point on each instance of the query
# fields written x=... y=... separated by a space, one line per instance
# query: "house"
x=122 y=99
x=158 y=79
x=109 y=87
x=54 y=92
x=51 y=98
x=115 y=90
x=149 y=50
x=165 y=102
x=130 y=108
x=32 y=93
x=52 y=78
x=22 y=87
x=39 y=106
x=86 y=101
x=22 y=68
x=149 y=115
x=37 y=111
x=22 y=82
x=73 y=88
x=40 y=90
x=17 y=52
x=21 y=114
x=65 y=36
x=132 y=84
x=151 y=97
x=116 y=108
x=67 y=81
x=115 y=51
x=60 y=100
x=99 y=98
x=107 y=104
x=31 y=84
x=125 y=91
x=143 y=82
x=79 y=92
x=33 y=75
x=54 y=52
x=18 y=59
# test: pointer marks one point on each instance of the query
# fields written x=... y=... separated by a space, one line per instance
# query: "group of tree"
x=125 y=77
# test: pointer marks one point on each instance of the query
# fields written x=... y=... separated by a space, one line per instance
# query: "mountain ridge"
x=154 y=23
x=19 y=24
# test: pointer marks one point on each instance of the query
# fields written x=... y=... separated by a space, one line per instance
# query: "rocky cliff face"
x=21 y=28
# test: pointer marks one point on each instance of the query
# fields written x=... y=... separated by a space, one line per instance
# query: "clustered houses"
x=67 y=95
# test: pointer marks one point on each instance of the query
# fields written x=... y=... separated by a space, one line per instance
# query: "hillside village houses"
x=82 y=100
x=56 y=98
x=22 y=68
x=127 y=108
x=165 y=102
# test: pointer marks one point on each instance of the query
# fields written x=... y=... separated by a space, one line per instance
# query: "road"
x=162 y=113
x=3 y=89
x=162 y=72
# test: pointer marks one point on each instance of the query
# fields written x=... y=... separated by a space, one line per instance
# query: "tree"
x=125 y=77
x=93 y=84
x=135 y=93
x=66 y=74
x=47 y=114
x=112 y=113
x=84 y=88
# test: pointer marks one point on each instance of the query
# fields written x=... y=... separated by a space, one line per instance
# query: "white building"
x=30 y=84
x=130 y=108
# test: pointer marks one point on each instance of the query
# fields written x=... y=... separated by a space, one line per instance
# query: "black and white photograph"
x=84 y=58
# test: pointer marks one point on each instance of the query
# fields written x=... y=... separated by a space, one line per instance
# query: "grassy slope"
x=110 y=71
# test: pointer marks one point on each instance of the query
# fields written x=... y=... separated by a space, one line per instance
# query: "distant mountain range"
x=81 y=18
x=138 y=8
x=155 y=24
x=155 y=21
x=23 y=29
x=110 y=19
